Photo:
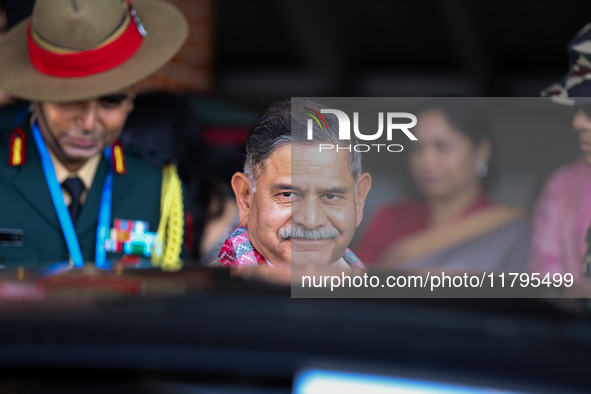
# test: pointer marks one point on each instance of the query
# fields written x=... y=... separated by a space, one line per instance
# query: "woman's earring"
x=481 y=169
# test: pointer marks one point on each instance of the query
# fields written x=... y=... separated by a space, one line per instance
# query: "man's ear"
x=363 y=187
x=132 y=91
x=243 y=193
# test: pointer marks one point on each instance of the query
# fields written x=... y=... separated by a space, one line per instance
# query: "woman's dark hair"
x=166 y=129
x=468 y=117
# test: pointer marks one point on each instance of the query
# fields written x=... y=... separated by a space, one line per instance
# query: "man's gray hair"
x=285 y=122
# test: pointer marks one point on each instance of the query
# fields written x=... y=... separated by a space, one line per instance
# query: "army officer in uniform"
x=69 y=191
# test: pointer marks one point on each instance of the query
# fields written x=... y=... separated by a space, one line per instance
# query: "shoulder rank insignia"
x=118 y=158
x=17 y=148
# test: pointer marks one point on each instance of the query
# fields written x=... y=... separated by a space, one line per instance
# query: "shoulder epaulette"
x=18 y=144
x=118 y=156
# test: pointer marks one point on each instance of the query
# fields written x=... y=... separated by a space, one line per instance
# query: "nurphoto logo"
x=392 y=119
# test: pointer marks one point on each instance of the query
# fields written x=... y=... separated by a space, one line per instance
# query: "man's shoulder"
x=216 y=263
x=139 y=166
x=352 y=260
x=5 y=137
x=12 y=114
x=564 y=190
x=4 y=140
x=568 y=175
x=6 y=130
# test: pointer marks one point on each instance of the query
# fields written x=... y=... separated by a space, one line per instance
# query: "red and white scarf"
x=238 y=251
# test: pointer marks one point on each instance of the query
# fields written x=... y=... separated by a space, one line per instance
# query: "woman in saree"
x=453 y=225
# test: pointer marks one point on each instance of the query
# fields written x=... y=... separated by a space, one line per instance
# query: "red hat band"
x=88 y=62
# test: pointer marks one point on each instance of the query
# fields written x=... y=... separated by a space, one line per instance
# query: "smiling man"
x=563 y=213
x=297 y=205
x=68 y=191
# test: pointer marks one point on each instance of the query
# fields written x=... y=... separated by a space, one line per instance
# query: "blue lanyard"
x=63 y=215
x=104 y=220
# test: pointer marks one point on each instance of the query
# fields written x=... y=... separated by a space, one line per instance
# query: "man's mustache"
x=299 y=231
x=87 y=132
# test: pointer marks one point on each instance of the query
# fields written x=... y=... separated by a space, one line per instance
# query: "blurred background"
x=269 y=49
x=252 y=52
x=242 y=55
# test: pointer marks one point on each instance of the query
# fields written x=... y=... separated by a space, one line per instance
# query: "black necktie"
x=74 y=187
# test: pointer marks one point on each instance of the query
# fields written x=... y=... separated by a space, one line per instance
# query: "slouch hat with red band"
x=72 y=50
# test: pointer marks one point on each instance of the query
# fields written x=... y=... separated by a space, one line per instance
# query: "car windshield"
x=297 y=197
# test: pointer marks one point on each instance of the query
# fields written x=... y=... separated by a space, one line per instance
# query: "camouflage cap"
x=575 y=87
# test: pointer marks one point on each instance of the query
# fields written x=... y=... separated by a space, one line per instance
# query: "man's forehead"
x=280 y=160
x=308 y=159
x=305 y=167
x=277 y=168
x=313 y=170
x=298 y=157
